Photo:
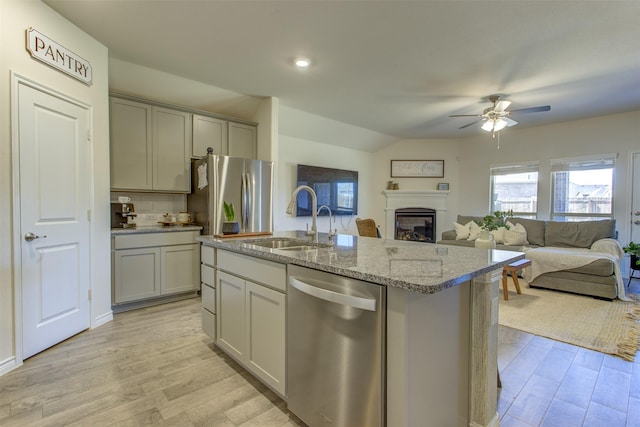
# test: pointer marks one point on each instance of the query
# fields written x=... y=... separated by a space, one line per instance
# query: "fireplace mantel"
x=397 y=199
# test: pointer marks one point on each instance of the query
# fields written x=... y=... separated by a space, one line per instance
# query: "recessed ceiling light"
x=302 y=63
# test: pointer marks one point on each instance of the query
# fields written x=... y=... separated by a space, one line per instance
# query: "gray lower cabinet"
x=152 y=265
x=136 y=274
x=250 y=315
x=208 y=289
x=231 y=328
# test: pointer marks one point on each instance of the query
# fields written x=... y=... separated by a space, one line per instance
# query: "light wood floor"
x=154 y=366
x=549 y=383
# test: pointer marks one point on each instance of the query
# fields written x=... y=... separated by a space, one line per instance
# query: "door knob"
x=637 y=213
x=30 y=237
x=636 y=222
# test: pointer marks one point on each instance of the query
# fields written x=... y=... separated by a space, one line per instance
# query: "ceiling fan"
x=497 y=117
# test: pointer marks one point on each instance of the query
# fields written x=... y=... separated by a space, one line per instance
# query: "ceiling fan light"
x=488 y=125
x=499 y=125
x=494 y=125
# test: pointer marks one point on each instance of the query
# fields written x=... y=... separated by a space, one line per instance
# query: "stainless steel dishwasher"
x=335 y=349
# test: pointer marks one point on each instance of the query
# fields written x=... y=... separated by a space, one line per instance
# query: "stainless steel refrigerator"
x=247 y=183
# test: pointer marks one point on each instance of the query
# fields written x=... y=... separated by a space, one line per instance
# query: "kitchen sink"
x=285 y=243
x=301 y=248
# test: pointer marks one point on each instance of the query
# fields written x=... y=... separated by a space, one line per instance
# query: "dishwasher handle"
x=336 y=297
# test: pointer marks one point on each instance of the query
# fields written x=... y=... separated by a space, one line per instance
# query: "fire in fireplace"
x=417 y=224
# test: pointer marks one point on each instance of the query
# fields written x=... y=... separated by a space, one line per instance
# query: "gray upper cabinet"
x=225 y=137
x=131 y=145
x=150 y=147
x=171 y=150
x=209 y=132
x=243 y=140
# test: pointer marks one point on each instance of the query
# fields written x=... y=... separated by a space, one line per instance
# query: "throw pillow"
x=516 y=235
x=535 y=230
x=498 y=235
x=462 y=231
x=474 y=230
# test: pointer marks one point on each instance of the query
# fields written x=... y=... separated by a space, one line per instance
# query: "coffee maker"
x=120 y=214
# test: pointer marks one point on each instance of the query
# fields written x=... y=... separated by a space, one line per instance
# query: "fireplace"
x=417 y=224
x=426 y=199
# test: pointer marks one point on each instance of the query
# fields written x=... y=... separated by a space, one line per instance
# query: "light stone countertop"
x=419 y=267
x=154 y=229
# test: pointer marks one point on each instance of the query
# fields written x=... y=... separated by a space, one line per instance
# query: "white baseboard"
x=101 y=320
x=494 y=422
x=8 y=365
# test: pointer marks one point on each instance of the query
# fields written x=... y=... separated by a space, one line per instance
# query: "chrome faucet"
x=331 y=233
x=314 y=202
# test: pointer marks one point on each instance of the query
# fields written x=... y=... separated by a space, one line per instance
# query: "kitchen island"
x=441 y=318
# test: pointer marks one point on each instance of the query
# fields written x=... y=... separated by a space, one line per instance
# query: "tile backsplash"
x=150 y=207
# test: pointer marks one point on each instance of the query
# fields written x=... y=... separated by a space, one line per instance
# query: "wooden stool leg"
x=505 y=291
x=514 y=276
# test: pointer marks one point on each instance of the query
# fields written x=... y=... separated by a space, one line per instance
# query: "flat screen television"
x=335 y=188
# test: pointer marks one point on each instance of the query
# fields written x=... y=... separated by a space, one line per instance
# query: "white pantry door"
x=53 y=173
x=635 y=199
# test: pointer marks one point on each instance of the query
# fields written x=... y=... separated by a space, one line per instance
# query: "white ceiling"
x=395 y=67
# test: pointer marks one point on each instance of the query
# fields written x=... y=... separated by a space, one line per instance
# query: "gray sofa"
x=596 y=279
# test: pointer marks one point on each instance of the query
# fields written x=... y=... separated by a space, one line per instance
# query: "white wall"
x=294 y=151
x=267 y=119
x=318 y=141
x=15 y=17
x=618 y=133
x=300 y=124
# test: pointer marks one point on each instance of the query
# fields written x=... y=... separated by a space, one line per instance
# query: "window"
x=515 y=188
x=582 y=189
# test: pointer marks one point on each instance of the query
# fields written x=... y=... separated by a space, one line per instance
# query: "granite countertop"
x=154 y=229
x=420 y=267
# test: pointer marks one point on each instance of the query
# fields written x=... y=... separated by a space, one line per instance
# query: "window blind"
x=513 y=169
x=601 y=162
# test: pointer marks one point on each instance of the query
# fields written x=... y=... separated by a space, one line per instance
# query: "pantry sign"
x=51 y=53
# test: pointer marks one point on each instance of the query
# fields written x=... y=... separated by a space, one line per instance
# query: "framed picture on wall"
x=417 y=168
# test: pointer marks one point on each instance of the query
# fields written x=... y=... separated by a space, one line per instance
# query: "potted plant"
x=633 y=249
x=494 y=221
x=490 y=223
x=229 y=226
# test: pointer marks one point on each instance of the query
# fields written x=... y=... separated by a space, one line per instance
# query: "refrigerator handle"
x=245 y=191
x=247 y=205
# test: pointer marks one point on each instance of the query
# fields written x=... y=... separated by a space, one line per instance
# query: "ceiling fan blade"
x=532 y=109
x=466 y=115
x=469 y=124
x=501 y=106
x=510 y=122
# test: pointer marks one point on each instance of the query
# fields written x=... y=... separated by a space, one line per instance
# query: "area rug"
x=610 y=327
